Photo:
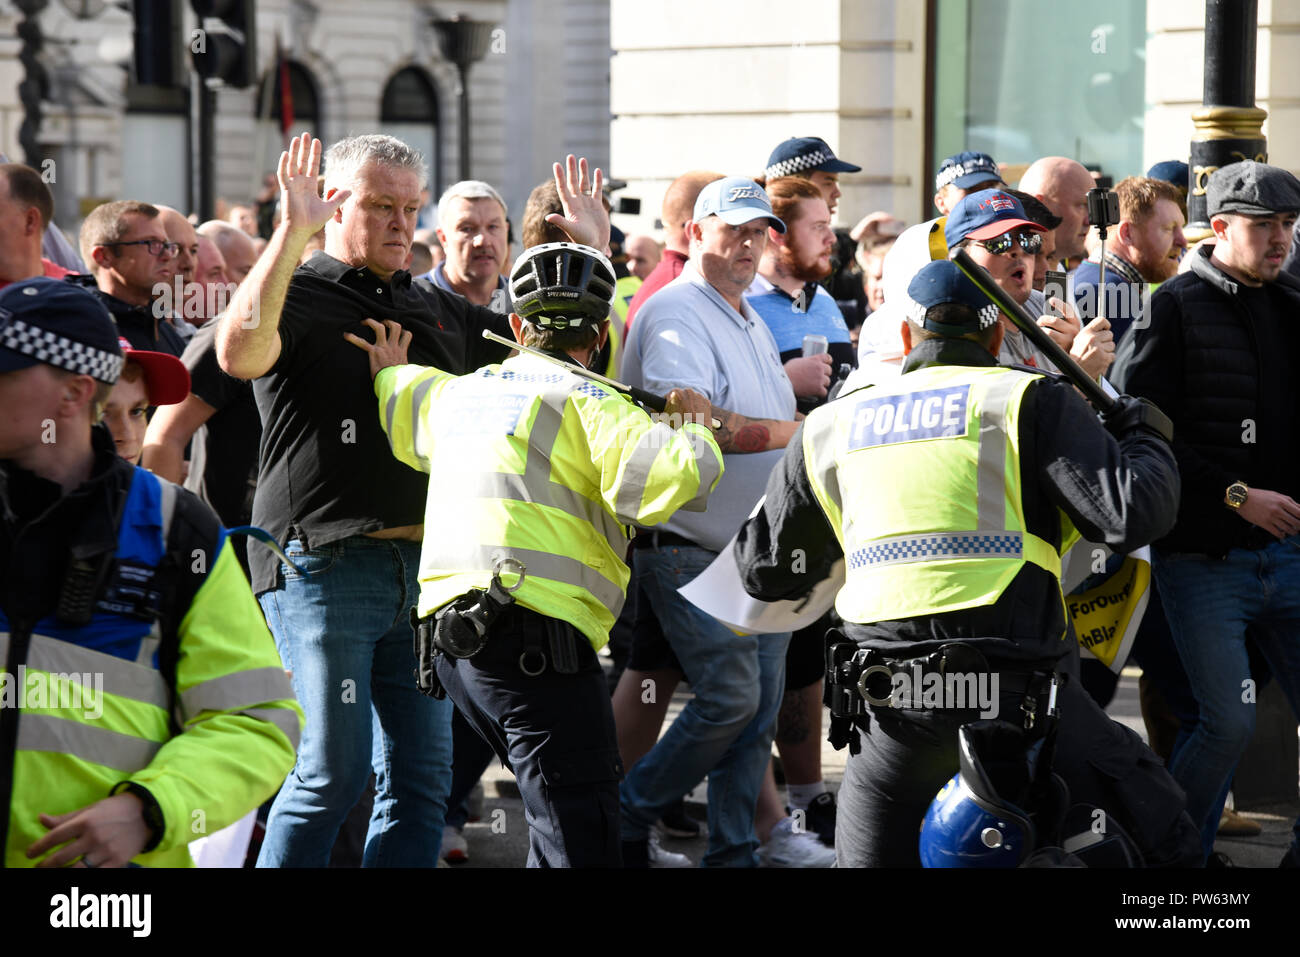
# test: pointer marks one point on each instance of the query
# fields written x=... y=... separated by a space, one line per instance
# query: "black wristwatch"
x=153 y=816
x=1235 y=497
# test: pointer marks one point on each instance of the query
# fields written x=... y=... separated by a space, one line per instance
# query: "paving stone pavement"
x=500 y=838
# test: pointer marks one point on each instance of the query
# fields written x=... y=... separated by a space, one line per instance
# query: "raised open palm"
x=585 y=220
x=301 y=205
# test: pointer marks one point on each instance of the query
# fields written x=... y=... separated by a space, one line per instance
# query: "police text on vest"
x=931 y=414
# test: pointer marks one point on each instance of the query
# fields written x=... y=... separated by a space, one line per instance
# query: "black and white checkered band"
x=946 y=176
x=797 y=164
x=53 y=349
x=987 y=314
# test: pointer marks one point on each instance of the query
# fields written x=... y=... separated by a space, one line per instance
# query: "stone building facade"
x=352 y=61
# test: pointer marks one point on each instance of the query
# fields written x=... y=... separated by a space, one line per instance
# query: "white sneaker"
x=787 y=847
x=454 y=848
x=661 y=858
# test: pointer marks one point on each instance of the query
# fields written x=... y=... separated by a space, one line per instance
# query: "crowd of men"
x=377 y=465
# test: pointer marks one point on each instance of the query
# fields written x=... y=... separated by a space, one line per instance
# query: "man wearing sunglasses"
x=132 y=262
x=992 y=227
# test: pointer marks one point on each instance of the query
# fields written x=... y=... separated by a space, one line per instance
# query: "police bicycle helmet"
x=562 y=286
x=983 y=816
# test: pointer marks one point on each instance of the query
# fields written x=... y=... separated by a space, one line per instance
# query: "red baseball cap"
x=166 y=380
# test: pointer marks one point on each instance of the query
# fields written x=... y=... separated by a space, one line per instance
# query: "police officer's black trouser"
x=555 y=731
x=907 y=756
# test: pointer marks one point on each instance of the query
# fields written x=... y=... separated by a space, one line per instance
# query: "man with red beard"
x=792 y=305
x=786 y=292
x=1144 y=248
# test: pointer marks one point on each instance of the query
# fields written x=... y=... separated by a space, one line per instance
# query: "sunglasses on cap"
x=1032 y=243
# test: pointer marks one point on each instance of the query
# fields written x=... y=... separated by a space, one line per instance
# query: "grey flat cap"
x=1256 y=189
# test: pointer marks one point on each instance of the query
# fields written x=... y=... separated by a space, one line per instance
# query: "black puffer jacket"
x=1220 y=374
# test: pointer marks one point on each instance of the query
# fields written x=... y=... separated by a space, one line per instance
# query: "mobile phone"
x=1055 y=287
x=1103 y=207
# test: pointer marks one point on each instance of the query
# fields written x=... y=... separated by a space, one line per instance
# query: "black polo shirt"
x=223 y=453
x=326 y=471
x=136 y=324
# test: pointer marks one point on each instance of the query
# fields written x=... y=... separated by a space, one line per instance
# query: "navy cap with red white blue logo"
x=983 y=215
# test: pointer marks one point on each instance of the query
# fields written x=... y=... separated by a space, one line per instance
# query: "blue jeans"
x=344 y=632
x=725 y=731
x=1209 y=604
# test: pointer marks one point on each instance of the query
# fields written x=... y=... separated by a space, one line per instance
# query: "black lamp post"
x=1229 y=127
x=35 y=83
x=464 y=42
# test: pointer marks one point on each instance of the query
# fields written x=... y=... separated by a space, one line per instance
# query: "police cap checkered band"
x=59 y=324
x=966 y=170
x=53 y=349
x=941 y=282
x=802 y=153
x=797 y=164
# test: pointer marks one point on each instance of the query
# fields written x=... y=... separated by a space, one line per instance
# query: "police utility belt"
x=857 y=678
x=462 y=627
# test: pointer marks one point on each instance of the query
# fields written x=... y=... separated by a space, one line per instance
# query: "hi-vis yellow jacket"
x=534 y=463
x=920 y=478
x=95 y=707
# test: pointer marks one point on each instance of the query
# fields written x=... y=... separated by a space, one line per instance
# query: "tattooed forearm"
x=741 y=434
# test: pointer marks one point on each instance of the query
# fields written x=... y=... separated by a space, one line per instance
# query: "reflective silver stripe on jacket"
x=242 y=689
x=822 y=465
x=282 y=718
x=237 y=690
x=559 y=568
x=121 y=678
x=707 y=465
x=122 y=752
x=526 y=488
x=991 y=497
x=636 y=471
x=390 y=417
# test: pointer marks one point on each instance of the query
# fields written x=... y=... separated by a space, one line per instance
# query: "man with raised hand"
x=554 y=533
x=333 y=496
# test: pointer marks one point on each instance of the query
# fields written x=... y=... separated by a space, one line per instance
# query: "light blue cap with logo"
x=735 y=200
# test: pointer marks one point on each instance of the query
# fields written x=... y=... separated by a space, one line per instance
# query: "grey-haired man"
x=472 y=228
x=331 y=493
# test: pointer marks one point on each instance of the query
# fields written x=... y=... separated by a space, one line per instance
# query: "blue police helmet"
x=973 y=822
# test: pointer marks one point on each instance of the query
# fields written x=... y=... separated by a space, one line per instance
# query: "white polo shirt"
x=688 y=335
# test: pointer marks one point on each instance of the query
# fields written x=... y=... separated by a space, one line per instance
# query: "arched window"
x=303 y=106
x=410 y=112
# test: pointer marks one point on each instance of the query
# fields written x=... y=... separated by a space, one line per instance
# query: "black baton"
x=649 y=399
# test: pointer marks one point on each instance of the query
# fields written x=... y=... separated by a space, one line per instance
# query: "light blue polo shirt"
x=688 y=335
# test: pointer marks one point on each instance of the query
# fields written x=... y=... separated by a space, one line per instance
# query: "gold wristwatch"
x=1235 y=497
